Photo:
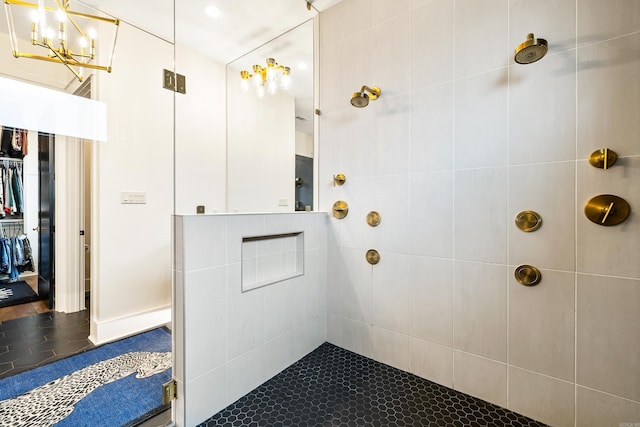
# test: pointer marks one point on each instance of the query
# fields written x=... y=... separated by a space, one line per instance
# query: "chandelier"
x=68 y=37
x=270 y=78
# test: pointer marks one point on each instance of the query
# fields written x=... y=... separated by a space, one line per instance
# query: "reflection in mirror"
x=270 y=125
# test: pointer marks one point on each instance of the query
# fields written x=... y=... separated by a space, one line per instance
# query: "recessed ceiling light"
x=303 y=66
x=212 y=11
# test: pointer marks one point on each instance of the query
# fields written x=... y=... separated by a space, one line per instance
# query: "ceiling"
x=242 y=26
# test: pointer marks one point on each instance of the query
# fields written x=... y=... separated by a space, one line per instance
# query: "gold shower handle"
x=607 y=210
x=603 y=158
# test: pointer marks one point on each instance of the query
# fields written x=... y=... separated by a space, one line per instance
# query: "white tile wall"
x=480 y=36
x=432 y=125
x=607 y=338
x=431 y=300
x=432 y=361
x=596 y=409
x=481 y=115
x=432 y=214
x=480 y=215
x=487 y=138
x=479 y=314
x=390 y=292
x=543 y=118
x=227 y=341
x=480 y=377
x=542 y=398
x=542 y=325
x=432 y=32
x=609 y=94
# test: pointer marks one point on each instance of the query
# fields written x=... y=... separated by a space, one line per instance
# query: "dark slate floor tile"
x=34 y=359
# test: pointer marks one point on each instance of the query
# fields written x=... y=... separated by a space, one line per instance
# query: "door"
x=46 y=223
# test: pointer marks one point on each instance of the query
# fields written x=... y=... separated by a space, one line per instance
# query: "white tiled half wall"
x=226 y=341
x=462 y=139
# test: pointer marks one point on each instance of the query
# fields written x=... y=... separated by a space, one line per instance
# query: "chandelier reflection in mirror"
x=270 y=78
x=55 y=33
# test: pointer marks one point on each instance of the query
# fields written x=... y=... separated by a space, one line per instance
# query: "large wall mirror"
x=270 y=125
x=236 y=150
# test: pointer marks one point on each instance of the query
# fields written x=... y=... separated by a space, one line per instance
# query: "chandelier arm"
x=64 y=61
x=57 y=61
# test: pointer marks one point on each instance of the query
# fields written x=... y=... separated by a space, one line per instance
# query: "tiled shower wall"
x=226 y=341
x=461 y=140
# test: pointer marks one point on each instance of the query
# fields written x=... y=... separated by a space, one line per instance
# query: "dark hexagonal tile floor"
x=335 y=387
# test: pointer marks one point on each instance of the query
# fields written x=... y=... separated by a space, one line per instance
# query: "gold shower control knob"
x=373 y=256
x=339 y=179
x=527 y=275
x=603 y=159
x=340 y=209
x=607 y=209
x=528 y=221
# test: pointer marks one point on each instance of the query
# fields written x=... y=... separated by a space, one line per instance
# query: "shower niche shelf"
x=271 y=258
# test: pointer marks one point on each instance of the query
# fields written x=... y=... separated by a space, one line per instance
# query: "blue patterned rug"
x=117 y=384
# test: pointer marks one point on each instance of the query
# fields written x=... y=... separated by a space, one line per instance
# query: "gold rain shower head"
x=531 y=50
x=361 y=99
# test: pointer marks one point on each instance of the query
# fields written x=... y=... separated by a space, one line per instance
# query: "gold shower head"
x=361 y=99
x=531 y=50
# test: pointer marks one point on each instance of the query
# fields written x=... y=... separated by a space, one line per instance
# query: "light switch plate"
x=133 y=197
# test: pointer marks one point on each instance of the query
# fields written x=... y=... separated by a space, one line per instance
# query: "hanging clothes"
x=14 y=142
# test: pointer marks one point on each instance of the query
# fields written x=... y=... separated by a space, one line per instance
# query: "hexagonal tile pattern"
x=335 y=387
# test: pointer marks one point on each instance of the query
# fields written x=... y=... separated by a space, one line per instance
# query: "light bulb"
x=92 y=33
x=83 y=42
x=61 y=15
x=271 y=74
x=272 y=87
x=35 y=16
x=244 y=85
x=285 y=82
x=260 y=92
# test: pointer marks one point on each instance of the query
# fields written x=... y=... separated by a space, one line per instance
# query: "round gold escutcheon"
x=340 y=209
x=373 y=218
x=528 y=221
x=373 y=256
x=527 y=275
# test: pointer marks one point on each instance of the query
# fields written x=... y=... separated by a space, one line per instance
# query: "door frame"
x=69 y=214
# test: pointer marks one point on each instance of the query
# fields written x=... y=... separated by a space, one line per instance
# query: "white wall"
x=460 y=141
x=260 y=151
x=304 y=144
x=227 y=342
x=131 y=263
x=200 y=156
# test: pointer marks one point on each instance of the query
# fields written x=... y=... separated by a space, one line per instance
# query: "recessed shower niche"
x=270 y=259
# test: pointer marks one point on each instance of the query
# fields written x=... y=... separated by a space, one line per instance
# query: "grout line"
x=575 y=238
x=453 y=201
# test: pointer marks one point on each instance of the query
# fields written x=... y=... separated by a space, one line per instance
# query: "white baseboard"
x=111 y=330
